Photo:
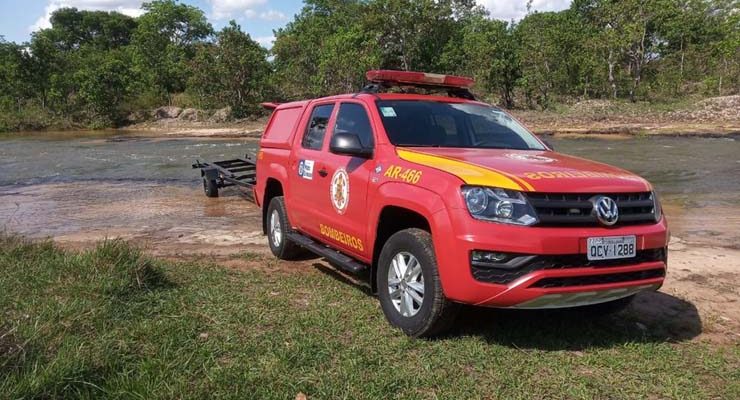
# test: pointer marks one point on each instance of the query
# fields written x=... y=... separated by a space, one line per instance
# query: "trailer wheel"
x=210 y=187
x=409 y=287
x=278 y=229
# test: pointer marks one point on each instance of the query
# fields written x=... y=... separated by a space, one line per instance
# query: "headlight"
x=498 y=205
x=657 y=209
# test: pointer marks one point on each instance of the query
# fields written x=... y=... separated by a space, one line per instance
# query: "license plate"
x=611 y=247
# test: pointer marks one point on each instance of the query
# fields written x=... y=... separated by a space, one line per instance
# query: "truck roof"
x=380 y=96
x=381 y=80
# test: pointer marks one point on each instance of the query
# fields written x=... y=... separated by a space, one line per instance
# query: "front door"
x=343 y=203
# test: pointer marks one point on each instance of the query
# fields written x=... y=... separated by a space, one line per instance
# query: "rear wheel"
x=278 y=229
x=409 y=287
x=210 y=187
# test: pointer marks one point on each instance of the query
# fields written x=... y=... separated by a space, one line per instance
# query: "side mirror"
x=349 y=144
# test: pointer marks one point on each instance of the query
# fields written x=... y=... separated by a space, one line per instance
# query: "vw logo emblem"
x=606 y=210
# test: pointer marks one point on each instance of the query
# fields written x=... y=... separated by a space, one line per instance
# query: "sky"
x=257 y=17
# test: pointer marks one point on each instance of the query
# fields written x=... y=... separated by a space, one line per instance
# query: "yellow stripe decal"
x=471 y=174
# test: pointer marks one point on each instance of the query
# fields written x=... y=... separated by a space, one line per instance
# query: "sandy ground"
x=699 y=301
x=178 y=128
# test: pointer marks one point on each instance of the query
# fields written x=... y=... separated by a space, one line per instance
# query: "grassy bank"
x=112 y=323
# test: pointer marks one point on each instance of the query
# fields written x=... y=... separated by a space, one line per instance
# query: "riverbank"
x=711 y=117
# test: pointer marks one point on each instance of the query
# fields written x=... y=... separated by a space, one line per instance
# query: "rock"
x=191 y=114
x=137 y=117
x=724 y=108
x=167 y=112
x=221 y=115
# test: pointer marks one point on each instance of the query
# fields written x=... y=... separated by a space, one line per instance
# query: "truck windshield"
x=415 y=123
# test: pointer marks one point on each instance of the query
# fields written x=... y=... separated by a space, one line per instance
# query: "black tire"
x=436 y=314
x=606 y=309
x=210 y=187
x=283 y=249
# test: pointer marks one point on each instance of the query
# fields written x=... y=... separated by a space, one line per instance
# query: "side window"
x=352 y=118
x=314 y=136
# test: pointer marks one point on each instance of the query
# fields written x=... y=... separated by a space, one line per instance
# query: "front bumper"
x=569 y=286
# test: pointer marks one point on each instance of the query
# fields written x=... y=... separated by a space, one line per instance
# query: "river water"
x=45 y=175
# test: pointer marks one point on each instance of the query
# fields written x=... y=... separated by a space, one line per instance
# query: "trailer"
x=234 y=172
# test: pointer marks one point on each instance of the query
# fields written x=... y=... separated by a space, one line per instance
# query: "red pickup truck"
x=445 y=200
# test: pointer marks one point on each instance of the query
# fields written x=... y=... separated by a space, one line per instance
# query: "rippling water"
x=56 y=158
x=697 y=178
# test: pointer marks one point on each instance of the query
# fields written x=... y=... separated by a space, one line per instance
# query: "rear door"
x=306 y=159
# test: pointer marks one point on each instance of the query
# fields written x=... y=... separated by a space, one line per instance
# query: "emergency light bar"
x=392 y=77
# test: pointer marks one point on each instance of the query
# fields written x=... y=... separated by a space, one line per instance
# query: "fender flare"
x=210 y=173
x=422 y=201
x=277 y=172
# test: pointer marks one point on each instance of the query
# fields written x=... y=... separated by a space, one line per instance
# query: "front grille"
x=563 y=261
x=599 y=279
x=575 y=209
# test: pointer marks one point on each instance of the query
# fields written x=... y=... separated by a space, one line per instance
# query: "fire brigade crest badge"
x=340 y=190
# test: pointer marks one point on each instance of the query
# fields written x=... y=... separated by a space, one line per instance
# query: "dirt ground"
x=699 y=301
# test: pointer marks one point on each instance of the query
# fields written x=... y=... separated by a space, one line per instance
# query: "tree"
x=234 y=71
x=14 y=86
x=486 y=50
x=725 y=49
x=103 y=84
x=165 y=41
x=545 y=46
x=411 y=33
x=346 y=56
x=310 y=52
x=73 y=29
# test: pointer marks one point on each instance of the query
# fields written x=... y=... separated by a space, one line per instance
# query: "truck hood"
x=538 y=171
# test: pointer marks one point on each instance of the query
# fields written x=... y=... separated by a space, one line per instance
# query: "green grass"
x=111 y=323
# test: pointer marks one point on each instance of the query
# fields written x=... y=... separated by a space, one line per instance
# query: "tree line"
x=94 y=68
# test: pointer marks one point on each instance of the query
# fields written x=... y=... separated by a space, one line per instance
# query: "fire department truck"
x=443 y=200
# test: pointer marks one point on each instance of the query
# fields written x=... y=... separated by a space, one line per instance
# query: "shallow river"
x=697 y=178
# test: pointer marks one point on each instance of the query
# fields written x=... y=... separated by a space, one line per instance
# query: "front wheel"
x=409 y=287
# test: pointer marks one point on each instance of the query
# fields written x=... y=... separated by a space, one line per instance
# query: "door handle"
x=323 y=172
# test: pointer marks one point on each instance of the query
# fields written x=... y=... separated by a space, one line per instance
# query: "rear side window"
x=282 y=124
x=314 y=136
x=352 y=118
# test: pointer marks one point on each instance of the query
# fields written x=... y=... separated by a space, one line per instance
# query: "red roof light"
x=418 y=78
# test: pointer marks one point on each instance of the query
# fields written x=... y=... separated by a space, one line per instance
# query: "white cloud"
x=517 y=9
x=225 y=9
x=265 y=41
x=273 y=15
x=269 y=15
x=128 y=7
